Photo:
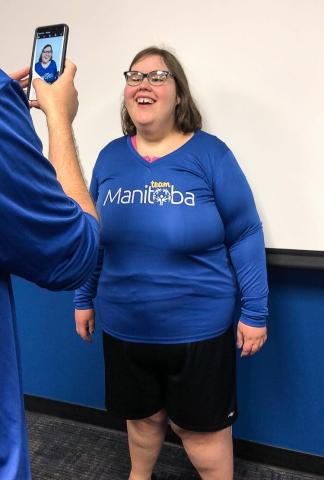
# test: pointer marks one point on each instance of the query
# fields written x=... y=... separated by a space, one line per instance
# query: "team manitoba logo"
x=160 y=193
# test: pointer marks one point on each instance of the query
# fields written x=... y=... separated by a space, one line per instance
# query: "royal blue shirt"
x=45 y=238
x=181 y=240
x=49 y=74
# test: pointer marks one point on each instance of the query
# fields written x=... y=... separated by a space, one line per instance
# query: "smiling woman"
x=151 y=104
x=181 y=241
x=46 y=67
x=185 y=115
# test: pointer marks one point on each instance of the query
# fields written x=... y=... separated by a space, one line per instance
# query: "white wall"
x=256 y=69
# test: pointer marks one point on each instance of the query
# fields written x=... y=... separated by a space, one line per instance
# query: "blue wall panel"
x=280 y=390
x=56 y=363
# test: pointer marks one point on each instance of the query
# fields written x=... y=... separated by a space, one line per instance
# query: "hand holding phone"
x=48 y=55
x=58 y=101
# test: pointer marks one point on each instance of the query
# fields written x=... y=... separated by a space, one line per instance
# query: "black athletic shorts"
x=194 y=382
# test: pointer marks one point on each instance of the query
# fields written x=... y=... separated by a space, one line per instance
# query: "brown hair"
x=187 y=115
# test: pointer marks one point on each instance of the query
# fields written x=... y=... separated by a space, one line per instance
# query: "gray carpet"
x=66 y=450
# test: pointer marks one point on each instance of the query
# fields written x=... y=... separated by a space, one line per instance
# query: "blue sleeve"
x=45 y=236
x=83 y=298
x=243 y=238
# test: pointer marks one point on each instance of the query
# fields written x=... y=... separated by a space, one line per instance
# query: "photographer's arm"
x=46 y=237
x=59 y=102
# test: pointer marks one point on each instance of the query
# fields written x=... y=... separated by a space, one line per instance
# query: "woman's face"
x=46 y=54
x=160 y=113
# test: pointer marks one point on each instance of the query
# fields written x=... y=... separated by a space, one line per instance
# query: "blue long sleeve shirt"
x=181 y=240
x=45 y=238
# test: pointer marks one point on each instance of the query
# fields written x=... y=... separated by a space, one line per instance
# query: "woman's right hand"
x=85 y=323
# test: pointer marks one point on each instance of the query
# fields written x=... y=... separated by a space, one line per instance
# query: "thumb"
x=37 y=83
x=69 y=69
x=239 y=338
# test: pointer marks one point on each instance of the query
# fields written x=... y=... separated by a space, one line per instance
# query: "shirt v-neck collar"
x=164 y=158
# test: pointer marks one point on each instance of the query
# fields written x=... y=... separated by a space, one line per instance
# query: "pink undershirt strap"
x=146 y=157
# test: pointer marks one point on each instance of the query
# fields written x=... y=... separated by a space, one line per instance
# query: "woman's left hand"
x=21 y=76
x=250 y=339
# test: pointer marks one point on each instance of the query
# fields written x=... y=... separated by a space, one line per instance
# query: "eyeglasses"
x=155 y=78
x=47 y=51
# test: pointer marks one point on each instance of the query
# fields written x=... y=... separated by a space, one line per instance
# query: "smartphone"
x=48 y=55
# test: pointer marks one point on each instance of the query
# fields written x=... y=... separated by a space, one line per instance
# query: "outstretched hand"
x=250 y=339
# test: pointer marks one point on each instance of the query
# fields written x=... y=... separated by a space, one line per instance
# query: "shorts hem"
x=206 y=429
x=132 y=416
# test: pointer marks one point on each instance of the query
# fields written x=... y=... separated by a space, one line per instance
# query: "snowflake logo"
x=161 y=196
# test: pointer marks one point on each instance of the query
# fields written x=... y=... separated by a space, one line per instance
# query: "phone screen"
x=48 y=55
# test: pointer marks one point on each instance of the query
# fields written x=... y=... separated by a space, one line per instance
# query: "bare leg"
x=211 y=453
x=145 y=439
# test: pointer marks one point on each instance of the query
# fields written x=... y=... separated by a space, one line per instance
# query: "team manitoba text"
x=159 y=193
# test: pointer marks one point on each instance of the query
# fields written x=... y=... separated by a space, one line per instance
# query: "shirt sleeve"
x=243 y=238
x=83 y=298
x=45 y=236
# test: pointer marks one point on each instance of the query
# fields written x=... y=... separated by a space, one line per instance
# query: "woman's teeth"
x=145 y=100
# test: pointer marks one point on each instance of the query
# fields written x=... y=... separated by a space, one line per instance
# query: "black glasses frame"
x=148 y=76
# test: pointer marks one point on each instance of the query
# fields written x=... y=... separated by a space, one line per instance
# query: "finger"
x=263 y=341
x=34 y=104
x=69 y=69
x=247 y=348
x=239 y=339
x=260 y=341
x=19 y=74
x=86 y=337
x=24 y=83
x=84 y=333
x=92 y=326
x=245 y=352
x=255 y=348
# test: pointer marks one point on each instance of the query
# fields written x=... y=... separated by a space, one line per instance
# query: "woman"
x=181 y=238
x=46 y=67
